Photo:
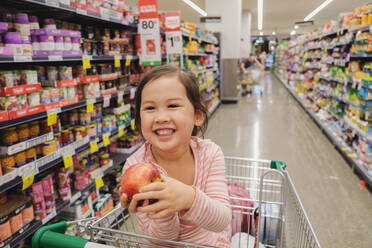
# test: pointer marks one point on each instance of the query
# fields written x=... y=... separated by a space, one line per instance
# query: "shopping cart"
x=269 y=214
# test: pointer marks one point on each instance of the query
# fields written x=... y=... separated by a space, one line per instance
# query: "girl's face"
x=167 y=115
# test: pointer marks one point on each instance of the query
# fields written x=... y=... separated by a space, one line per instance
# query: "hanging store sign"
x=148 y=29
x=173 y=33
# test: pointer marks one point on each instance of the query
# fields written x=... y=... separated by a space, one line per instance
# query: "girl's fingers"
x=155 y=207
x=123 y=200
x=162 y=214
x=133 y=205
x=152 y=187
x=148 y=195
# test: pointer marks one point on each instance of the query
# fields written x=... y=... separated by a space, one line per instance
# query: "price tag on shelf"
x=121 y=131
x=86 y=62
x=120 y=96
x=28 y=175
x=127 y=60
x=52 y=3
x=93 y=147
x=90 y=105
x=81 y=11
x=99 y=182
x=132 y=125
x=199 y=41
x=117 y=61
x=106 y=139
x=351 y=155
x=67 y=160
x=55 y=58
x=344 y=149
x=190 y=39
x=22 y=58
x=106 y=101
x=52 y=117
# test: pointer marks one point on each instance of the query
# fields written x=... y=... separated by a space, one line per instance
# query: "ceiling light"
x=293 y=32
x=196 y=7
x=273 y=33
x=296 y=26
x=260 y=13
x=317 y=10
x=261 y=33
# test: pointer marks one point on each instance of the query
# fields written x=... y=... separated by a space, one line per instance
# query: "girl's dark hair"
x=189 y=82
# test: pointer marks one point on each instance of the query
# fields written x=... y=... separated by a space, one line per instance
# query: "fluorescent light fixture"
x=196 y=7
x=293 y=32
x=317 y=10
x=260 y=13
x=261 y=33
x=296 y=26
x=273 y=33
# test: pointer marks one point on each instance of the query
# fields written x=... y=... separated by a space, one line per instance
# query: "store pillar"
x=230 y=30
x=245 y=41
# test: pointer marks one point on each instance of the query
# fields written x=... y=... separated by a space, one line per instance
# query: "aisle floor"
x=274 y=126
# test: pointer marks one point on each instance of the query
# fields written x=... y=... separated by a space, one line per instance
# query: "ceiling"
x=278 y=15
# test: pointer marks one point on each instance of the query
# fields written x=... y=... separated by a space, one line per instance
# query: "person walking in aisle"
x=192 y=199
x=245 y=74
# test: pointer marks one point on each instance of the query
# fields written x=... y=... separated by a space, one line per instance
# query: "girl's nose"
x=162 y=117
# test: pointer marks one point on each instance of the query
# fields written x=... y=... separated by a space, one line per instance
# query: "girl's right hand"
x=132 y=205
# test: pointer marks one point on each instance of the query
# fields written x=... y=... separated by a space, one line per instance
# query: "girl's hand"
x=123 y=199
x=172 y=196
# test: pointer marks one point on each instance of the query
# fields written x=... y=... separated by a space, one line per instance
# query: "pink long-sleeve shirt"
x=207 y=222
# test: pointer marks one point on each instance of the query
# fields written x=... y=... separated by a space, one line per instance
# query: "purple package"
x=13 y=38
x=6 y=51
x=21 y=18
x=3 y=27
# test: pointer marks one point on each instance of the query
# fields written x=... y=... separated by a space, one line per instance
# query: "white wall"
x=229 y=27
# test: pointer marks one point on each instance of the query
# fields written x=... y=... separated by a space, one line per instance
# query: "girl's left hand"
x=172 y=196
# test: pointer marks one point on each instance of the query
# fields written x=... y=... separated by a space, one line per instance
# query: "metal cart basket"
x=267 y=212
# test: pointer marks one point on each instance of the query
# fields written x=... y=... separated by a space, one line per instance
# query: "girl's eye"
x=149 y=108
x=173 y=106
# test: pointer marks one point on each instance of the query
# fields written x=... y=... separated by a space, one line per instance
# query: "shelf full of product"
x=68 y=77
x=329 y=71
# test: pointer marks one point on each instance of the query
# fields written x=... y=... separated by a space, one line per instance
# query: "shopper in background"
x=193 y=203
x=245 y=74
x=262 y=60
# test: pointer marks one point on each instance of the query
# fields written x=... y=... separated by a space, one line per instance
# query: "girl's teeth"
x=165 y=131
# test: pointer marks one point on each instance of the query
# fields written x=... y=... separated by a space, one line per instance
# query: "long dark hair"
x=189 y=82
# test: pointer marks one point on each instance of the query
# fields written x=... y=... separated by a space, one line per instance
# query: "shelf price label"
x=90 y=106
x=351 y=155
x=68 y=162
x=117 y=61
x=93 y=147
x=86 y=62
x=121 y=131
x=127 y=60
x=27 y=172
x=120 y=96
x=99 y=182
x=52 y=117
x=106 y=101
x=106 y=139
x=133 y=125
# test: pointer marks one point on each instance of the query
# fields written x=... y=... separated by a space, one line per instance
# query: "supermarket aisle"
x=275 y=126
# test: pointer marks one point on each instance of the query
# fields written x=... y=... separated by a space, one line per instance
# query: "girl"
x=193 y=204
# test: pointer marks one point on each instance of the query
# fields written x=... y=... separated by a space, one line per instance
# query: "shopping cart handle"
x=278 y=165
x=52 y=236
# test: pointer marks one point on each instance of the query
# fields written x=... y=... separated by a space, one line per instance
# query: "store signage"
x=148 y=29
x=173 y=33
x=210 y=19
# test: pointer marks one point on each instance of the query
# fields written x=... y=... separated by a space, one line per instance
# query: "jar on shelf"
x=58 y=139
x=7 y=161
x=30 y=154
x=39 y=152
x=71 y=133
x=92 y=131
x=65 y=134
x=49 y=147
x=104 y=159
x=34 y=129
x=10 y=136
x=20 y=159
x=23 y=132
x=85 y=117
x=44 y=128
x=79 y=133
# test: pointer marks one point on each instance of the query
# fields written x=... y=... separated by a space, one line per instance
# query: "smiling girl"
x=192 y=199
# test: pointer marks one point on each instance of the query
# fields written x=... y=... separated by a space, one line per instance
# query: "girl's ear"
x=199 y=118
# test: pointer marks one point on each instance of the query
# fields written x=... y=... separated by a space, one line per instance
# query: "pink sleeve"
x=211 y=209
x=166 y=228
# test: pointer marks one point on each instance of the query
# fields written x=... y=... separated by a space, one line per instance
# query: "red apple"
x=137 y=176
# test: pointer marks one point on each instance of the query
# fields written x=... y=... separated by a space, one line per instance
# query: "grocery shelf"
x=214 y=108
x=56 y=7
x=57 y=58
x=28 y=231
x=360 y=56
x=194 y=37
x=341 y=146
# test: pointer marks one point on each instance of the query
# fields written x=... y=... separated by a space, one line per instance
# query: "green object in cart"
x=278 y=165
x=52 y=236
